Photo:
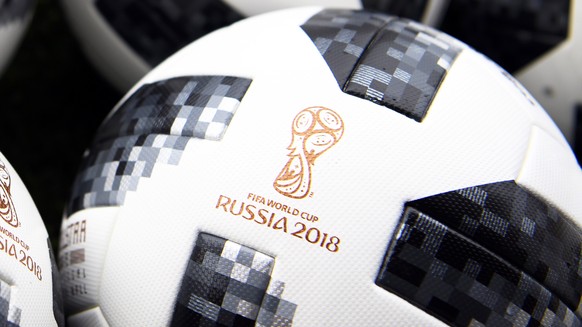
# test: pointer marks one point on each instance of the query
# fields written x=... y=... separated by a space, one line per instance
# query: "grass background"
x=51 y=103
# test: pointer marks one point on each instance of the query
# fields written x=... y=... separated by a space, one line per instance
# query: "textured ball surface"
x=316 y=167
x=30 y=286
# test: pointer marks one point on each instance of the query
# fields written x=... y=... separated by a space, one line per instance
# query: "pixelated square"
x=229 y=284
x=402 y=50
x=240 y=272
x=153 y=126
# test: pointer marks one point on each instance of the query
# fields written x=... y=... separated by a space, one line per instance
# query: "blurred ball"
x=15 y=16
x=126 y=38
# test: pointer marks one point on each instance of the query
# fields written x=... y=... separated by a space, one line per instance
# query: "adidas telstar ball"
x=14 y=19
x=30 y=289
x=325 y=167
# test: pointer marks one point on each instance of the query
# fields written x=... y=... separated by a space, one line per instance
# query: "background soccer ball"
x=30 y=289
x=14 y=18
x=125 y=39
x=283 y=171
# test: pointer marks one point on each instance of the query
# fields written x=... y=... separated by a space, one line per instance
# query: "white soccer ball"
x=14 y=19
x=319 y=167
x=30 y=289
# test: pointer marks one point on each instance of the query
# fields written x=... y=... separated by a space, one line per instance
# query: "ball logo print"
x=7 y=211
x=315 y=130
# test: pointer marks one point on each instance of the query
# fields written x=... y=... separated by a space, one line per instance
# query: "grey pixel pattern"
x=275 y=311
x=391 y=61
x=493 y=255
x=342 y=36
x=520 y=228
x=463 y=284
x=9 y=314
x=153 y=126
x=228 y=284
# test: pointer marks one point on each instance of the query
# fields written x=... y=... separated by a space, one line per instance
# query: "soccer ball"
x=30 y=289
x=14 y=19
x=325 y=167
x=538 y=41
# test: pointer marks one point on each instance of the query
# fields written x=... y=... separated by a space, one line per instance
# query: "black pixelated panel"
x=394 y=62
x=11 y=10
x=153 y=126
x=228 y=284
x=512 y=33
x=460 y=282
x=342 y=36
x=413 y=9
x=156 y=29
x=10 y=314
x=519 y=227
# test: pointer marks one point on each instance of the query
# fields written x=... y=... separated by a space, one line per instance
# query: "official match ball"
x=14 y=19
x=30 y=289
x=325 y=167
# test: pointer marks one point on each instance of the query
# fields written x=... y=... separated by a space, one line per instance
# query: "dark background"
x=51 y=102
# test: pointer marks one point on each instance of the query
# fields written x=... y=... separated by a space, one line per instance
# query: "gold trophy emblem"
x=7 y=211
x=315 y=130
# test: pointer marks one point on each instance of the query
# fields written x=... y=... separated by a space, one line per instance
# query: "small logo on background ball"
x=315 y=130
x=7 y=211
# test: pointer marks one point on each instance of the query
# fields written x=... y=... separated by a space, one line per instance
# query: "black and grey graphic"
x=228 y=284
x=394 y=62
x=157 y=29
x=12 y=10
x=153 y=127
x=9 y=314
x=493 y=254
x=512 y=33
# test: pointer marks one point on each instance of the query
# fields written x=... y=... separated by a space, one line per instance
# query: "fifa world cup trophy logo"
x=7 y=211
x=315 y=130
